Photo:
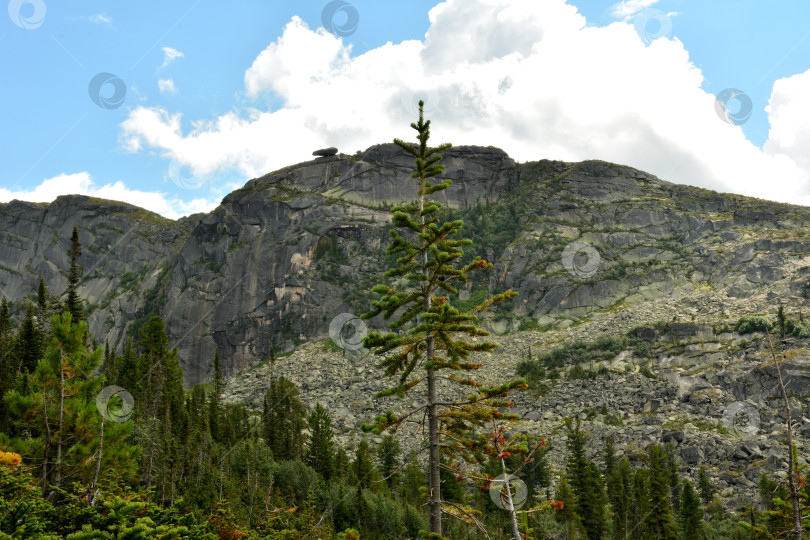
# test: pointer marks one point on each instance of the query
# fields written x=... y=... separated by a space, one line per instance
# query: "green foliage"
x=752 y=323
x=283 y=420
x=586 y=482
x=321 y=452
x=691 y=515
x=73 y=302
x=422 y=341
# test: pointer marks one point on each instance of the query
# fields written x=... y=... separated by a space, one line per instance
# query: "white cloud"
x=628 y=8
x=167 y=85
x=789 y=113
x=101 y=18
x=170 y=55
x=82 y=184
x=536 y=82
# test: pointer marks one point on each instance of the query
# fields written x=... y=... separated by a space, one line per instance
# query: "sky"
x=173 y=105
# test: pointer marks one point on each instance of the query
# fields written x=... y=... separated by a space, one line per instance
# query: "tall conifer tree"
x=74 y=302
x=427 y=257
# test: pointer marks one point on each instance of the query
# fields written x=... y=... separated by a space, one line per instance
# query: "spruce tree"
x=8 y=364
x=691 y=514
x=641 y=508
x=705 y=486
x=661 y=521
x=586 y=482
x=126 y=372
x=30 y=341
x=215 y=406
x=427 y=257
x=74 y=303
x=321 y=452
x=567 y=515
x=283 y=420
x=363 y=467
x=619 y=483
x=388 y=455
x=42 y=297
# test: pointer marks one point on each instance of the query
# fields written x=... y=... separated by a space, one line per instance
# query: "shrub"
x=752 y=323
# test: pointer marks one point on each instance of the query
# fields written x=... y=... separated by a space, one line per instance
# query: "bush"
x=797 y=329
x=384 y=516
x=752 y=323
x=296 y=478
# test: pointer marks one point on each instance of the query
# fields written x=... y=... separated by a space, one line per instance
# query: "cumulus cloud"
x=789 y=113
x=167 y=85
x=628 y=8
x=82 y=184
x=170 y=55
x=527 y=76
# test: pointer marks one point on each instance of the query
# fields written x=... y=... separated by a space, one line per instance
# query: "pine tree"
x=619 y=482
x=283 y=420
x=661 y=520
x=691 y=514
x=609 y=455
x=215 y=406
x=42 y=297
x=586 y=482
x=30 y=342
x=388 y=453
x=8 y=363
x=127 y=368
x=426 y=259
x=62 y=413
x=641 y=509
x=363 y=467
x=74 y=303
x=674 y=476
x=321 y=452
x=567 y=515
x=159 y=400
x=705 y=486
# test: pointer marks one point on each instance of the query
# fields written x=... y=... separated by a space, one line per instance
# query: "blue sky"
x=201 y=96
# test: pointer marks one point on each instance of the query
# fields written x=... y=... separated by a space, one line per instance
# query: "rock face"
x=282 y=256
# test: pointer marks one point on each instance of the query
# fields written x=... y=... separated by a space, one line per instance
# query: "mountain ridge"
x=272 y=264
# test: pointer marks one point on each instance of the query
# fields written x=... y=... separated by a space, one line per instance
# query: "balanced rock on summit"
x=325 y=152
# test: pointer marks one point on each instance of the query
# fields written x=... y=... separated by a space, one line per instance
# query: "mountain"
x=623 y=279
x=279 y=258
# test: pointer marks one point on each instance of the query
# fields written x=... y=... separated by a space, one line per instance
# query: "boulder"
x=325 y=152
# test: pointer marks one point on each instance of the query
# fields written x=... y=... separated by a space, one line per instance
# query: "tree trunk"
x=58 y=469
x=510 y=504
x=433 y=431
x=47 y=446
x=435 y=504
x=792 y=466
x=91 y=493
